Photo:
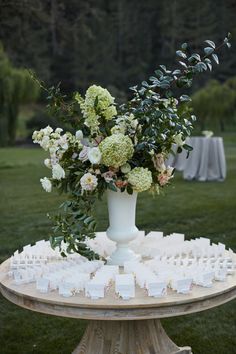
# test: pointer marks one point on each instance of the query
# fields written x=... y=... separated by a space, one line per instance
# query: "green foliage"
x=16 y=87
x=111 y=42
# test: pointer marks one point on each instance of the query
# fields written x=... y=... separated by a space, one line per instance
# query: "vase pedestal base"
x=127 y=337
x=121 y=255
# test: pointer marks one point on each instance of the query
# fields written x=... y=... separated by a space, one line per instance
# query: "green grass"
x=197 y=209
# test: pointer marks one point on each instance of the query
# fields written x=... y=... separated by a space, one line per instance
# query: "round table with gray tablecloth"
x=205 y=163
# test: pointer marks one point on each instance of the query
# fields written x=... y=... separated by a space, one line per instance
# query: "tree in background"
x=111 y=42
x=215 y=104
x=16 y=88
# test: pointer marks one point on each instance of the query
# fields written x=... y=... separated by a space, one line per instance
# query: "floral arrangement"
x=116 y=147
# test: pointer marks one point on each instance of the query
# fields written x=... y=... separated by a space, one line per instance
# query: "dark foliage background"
x=113 y=43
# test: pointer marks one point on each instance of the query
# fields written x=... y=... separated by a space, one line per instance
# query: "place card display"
x=166 y=264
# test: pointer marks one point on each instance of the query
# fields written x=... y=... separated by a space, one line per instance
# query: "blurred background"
x=115 y=44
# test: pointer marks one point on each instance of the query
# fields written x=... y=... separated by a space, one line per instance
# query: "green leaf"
x=176 y=72
x=211 y=43
x=208 y=50
x=200 y=67
x=129 y=189
x=185 y=98
x=183 y=64
x=164 y=84
x=194 y=57
x=215 y=57
x=88 y=219
x=179 y=150
x=158 y=73
x=181 y=54
x=112 y=187
x=184 y=46
x=209 y=66
x=187 y=147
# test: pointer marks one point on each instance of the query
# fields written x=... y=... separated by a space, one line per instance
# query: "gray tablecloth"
x=205 y=163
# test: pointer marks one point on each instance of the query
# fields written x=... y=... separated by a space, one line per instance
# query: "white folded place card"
x=220 y=274
x=42 y=285
x=157 y=288
x=66 y=289
x=204 y=279
x=95 y=289
x=182 y=286
x=125 y=286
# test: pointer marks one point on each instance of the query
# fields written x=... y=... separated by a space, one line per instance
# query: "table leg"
x=127 y=337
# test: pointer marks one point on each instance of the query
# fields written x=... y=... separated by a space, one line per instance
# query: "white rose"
x=46 y=184
x=94 y=155
x=47 y=163
x=125 y=168
x=57 y=172
x=178 y=140
x=79 y=135
x=88 y=182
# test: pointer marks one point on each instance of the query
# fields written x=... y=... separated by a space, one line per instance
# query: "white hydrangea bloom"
x=88 y=182
x=46 y=184
x=94 y=155
x=57 y=172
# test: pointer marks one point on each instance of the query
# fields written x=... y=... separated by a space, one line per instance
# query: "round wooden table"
x=116 y=325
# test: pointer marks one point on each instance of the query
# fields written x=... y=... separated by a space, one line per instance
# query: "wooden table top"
x=113 y=308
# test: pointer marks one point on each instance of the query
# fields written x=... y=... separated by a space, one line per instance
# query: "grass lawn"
x=194 y=208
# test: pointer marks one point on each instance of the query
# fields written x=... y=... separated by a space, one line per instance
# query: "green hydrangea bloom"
x=140 y=179
x=116 y=150
x=98 y=101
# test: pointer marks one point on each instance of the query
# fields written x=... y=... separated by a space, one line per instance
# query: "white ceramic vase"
x=122 y=229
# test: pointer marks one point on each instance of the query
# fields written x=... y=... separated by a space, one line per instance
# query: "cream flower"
x=46 y=184
x=57 y=172
x=88 y=182
x=94 y=155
